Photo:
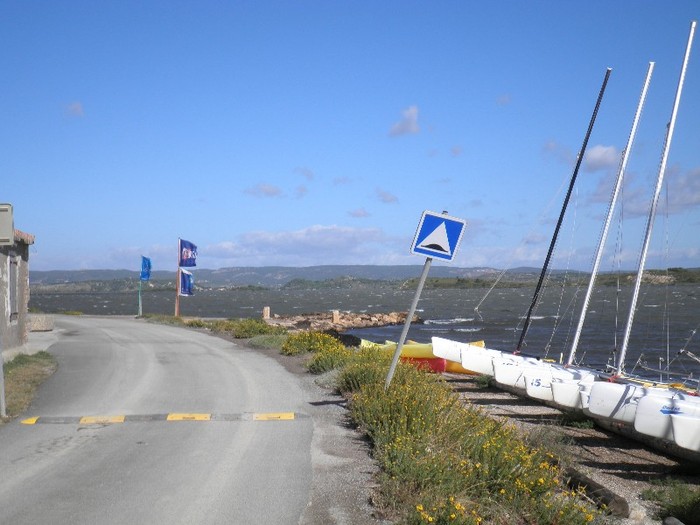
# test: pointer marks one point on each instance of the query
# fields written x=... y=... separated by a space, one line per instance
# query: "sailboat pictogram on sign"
x=438 y=235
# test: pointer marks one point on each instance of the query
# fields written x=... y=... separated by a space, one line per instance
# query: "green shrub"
x=446 y=462
x=676 y=499
x=484 y=381
x=274 y=341
x=244 y=328
x=247 y=328
x=328 y=358
x=303 y=342
x=364 y=367
x=164 y=319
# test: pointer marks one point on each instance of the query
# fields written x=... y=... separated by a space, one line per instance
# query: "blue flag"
x=188 y=253
x=145 y=268
x=186 y=283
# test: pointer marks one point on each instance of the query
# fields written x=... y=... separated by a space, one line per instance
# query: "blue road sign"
x=438 y=236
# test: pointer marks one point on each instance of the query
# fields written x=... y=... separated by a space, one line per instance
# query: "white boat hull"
x=509 y=370
x=541 y=383
x=654 y=413
x=618 y=401
x=573 y=393
x=686 y=431
x=473 y=357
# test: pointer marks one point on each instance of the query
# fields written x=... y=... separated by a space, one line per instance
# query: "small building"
x=14 y=291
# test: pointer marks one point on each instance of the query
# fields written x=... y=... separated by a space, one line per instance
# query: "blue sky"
x=317 y=132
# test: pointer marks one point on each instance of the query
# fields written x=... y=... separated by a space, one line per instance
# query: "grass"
x=164 y=319
x=484 y=381
x=23 y=375
x=446 y=462
x=574 y=420
x=305 y=342
x=675 y=499
x=268 y=341
x=244 y=328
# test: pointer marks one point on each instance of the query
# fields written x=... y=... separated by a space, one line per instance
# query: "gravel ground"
x=623 y=466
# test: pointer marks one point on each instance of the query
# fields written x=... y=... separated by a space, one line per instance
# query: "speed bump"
x=171 y=416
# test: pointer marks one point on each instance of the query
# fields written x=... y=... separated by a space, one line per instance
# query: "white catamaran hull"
x=474 y=358
x=686 y=431
x=654 y=413
x=541 y=383
x=509 y=370
x=573 y=394
x=618 y=401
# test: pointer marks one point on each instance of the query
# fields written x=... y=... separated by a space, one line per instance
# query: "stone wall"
x=13 y=325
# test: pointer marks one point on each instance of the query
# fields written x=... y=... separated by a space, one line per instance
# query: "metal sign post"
x=437 y=236
x=407 y=324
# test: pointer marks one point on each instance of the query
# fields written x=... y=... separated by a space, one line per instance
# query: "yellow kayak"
x=414 y=350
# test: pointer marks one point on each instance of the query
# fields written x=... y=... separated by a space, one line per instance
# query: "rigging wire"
x=539 y=220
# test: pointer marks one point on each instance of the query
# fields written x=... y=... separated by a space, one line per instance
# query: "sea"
x=665 y=321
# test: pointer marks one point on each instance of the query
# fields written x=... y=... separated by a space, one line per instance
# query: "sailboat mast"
x=611 y=208
x=654 y=203
x=552 y=244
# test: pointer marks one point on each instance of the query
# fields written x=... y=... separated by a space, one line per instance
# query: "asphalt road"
x=145 y=423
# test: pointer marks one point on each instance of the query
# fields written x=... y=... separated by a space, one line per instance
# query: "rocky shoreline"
x=336 y=320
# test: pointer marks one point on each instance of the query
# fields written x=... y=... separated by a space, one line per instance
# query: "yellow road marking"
x=101 y=420
x=273 y=416
x=188 y=417
x=30 y=421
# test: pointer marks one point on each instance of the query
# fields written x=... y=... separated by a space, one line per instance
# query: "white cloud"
x=75 y=109
x=503 y=100
x=386 y=197
x=559 y=152
x=306 y=247
x=358 y=213
x=684 y=190
x=306 y=173
x=408 y=124
x=600 y=158
x=301 y=191
x=264 y=190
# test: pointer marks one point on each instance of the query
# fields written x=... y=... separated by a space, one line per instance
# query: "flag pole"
x=140 y=310
x=177 y=282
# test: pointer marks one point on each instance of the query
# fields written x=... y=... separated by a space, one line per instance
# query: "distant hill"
x=337 y=276
x=268 y=276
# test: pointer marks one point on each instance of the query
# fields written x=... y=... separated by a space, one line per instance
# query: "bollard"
x=266 y=312
x=336 y=317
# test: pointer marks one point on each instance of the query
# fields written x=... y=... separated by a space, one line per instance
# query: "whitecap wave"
x=457 y=320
